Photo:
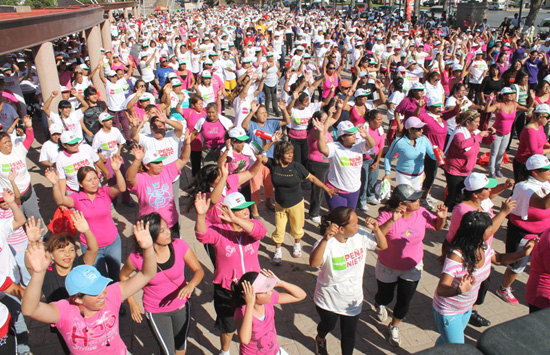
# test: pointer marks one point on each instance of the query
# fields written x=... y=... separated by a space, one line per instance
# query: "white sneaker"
x=431 y=200
x=426 y=205
x=373 y=200
x=394 y=338
x=316 y=219
x=364 y=208
x=382 y=313
x=278 y=257
x=297 y=250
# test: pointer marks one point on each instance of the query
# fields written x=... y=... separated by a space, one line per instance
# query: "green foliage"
x=10 y=2
x=40 y=4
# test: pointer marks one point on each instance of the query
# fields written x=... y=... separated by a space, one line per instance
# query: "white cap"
x=236 y=201
x=104 y=116
x=414 y=122
x=206 y=74
x=172 y=75
x=346 y=127
x=64 y=89
x=56 y=128
x=433 y=100
x=458 y=67
x=542 y=108
x=152 y=156
x=360 y=92
x=417 y=86
x=111 y=73
x=238 y=133
x=478 y=181
x=176 y=82
x=537 y=161
x=401 y=68
x=479 y=51
x=507 y=90
x=69 y=137
x=547 y=77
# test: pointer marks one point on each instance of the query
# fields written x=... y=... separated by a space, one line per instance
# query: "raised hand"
x=249 y=295
x=8 y=196
x=33 y=229
x=27 y=120
x=143 y=237
x=317 y=124
x=277 y=136
x=52 y=175
x=528 y=248
x=509 y=183
x=12 y=175
x=201 y=203
x=116 y=162
x=254 y=106
x=139 y=152
x=39 y=259
x=398 y=213
x=54 y=93
x=508 y=206
x=80 y=223
x=227 y=214
x=331 y=231
x=372 y=224
x=442 y=211
x=363 y=131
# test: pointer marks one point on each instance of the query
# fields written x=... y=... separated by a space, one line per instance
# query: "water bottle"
x=263 y=135
x=439 y=156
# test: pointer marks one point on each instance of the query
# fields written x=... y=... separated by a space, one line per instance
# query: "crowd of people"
x=262 y=101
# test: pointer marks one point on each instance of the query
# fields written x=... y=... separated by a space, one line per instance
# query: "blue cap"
x=85 y=279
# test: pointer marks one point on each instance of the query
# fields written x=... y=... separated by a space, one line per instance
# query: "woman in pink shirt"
x=371 y=163
x=532 y=140
x=237 y=241
x=166 y=296
x=213 y=129
x=466 y=266
x=192 y=115
x=413 y=104
x=400 y=266
x=94 y=201
x=537 y=290
x=461 y=154
x=89 y=319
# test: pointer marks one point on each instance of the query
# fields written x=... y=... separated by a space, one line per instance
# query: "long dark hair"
x=339 y=216
x=154 y=220
x=237 y=291
x=469 y=237
x=201 y=183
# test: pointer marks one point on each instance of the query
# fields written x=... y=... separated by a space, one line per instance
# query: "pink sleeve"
x=448 y=114
x=7 y=94
x=28 y=139
x=532 y=142
x=259 y=231
x=136 y=259
x=463 y=143
x=173 y=170
x=233 y=183
x=383 y=218
x=431 y=219
x=211 y=236
x=402 y=107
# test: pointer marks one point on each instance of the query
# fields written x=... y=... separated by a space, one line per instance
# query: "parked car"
x=544 y=26
x=497 y=6
x=429 y=3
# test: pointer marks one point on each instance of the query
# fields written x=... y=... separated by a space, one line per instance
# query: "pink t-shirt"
x=155 y=193
x=537 y=290
x=240 y=162
x=531 y=142
x=88 y=336
x=456 y=217
x=264 y=334
x=192 y=116
x=461 y=156
x=379 y=140
x=213 y=214
x=405 y=247
x=161 y=293
x=213 y=134
x=98 y=214
x=314 y=153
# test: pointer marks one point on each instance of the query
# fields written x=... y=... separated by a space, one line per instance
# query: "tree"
x=11 y=2
x=533 y=12
x=39 y=4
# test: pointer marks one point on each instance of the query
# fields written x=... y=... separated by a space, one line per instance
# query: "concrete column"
x=44 y=59
x=126 y=12
x=106 y=35
x=93 y=38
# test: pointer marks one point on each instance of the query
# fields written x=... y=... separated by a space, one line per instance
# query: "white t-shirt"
x=68 y=165
x=108 y=142
x=523 y=192
x=147 y=73
x=71 y=123
x=477 y=70
x=395 y=98
x=167 y=147
x=339 y=286
x=7 y=260
x=208 y=94
x=299 y=119
x=242 y=109
x=16 y=161
x=345 y=165
x=451 y=102
x=49 y=152
x=228 y=64
x=115 y=95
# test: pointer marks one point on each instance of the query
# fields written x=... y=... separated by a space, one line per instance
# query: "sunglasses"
x=331 y=68
x=417 y=129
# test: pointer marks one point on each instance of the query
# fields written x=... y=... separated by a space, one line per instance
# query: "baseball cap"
x=206 y=74
x=478 y=181
x=363 y=74
x=434 y=101
x=69 y=137
x=507 y=90
x=111 y=73
x=64 y=89
x=176 y=82
x=360 y=93
x=84 y=66
x=401 y=69
x=414 y=122
x=56 y=128
x=457 y=67
x=152 y=156
x=238 y=133
x=345 y=83
x=236 y=201
x=537 y=161
x=346 y=127
x=406 y=193
x=542 y=108
x=85 y=279
x=172 y=75
x=104 y=116
x=147 y=96
x=417 y=86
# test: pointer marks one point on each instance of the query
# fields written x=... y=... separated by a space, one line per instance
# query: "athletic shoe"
x=321 y=347
x=499 y=173
x=431 y=200
x=507 y=295
x=363 y=207
x=492 y=176
x=316 y=219
x=394 y=338
x=424 y=203
x=278 y=257
x=297 y=250
x=373 y=200
x=478 y=321
x=381 y=313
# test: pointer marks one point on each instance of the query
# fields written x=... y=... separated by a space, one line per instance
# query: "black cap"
x=406 y=193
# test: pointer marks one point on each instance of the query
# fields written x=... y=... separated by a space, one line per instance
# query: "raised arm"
x=131 y=174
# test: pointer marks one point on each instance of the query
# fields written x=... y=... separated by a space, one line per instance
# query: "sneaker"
x=492 y=176
x=321 y=347
x=278 y=257
x=373 y=200
x=394 y=338
x=478 y=321
x=364 y=208
x=316 y=219
x=499 y=174
x=297 y=250
x=431 y=200
x=381 y=313
x=507 y=295
x=424 y=203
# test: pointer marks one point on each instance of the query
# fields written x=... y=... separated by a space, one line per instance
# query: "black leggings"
x=455 y=184
x=196 y=160
x=301 y=150
x=405 y=293
x=430 y=168
x=483 y=288
x=348 y=327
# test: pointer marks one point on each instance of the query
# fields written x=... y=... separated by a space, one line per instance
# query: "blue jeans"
x=452 y=327
x=13 y=305
x=109 y=259
x=368 y=181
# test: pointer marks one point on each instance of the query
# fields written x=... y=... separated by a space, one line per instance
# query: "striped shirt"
x=18 y=236
x=462 y=303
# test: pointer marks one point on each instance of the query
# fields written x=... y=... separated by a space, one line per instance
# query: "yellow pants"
x=230 y=85
x=296 y=214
